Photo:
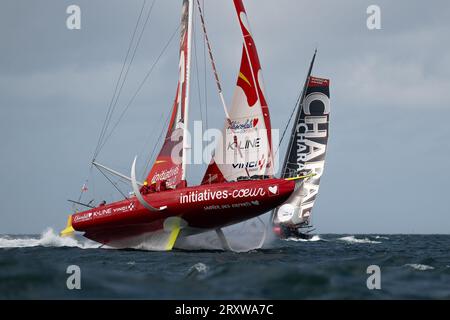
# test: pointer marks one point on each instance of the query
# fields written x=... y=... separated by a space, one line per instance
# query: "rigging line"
x=299 y=105
x=85 y=184
x=150 y=154
x=290 y=118
x=204 y=78
x=82 y=190
x=213 y=64
x=128 y=69
x=118 y=81
x=126 y=74
x=133 y=55
x=140 y=87
x=147 y=141
x=156 y=144
x=124 y=182
x=115 y=186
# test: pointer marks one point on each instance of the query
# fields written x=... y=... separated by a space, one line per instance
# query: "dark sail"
x=305 y=157
x=310 y=132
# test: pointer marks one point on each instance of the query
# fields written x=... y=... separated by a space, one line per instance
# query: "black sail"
x=305 y=157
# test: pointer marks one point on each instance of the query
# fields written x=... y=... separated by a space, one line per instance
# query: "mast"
x=188 y=77
x=284 y=173
x=169 y=168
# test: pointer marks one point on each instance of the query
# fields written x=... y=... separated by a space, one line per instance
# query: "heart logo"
x=255 y=122
x=273 y=189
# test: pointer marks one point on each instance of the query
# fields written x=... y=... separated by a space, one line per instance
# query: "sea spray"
x=314 y=238
x=420 y=267
x=353 y=239
x=243 y=237
x=48 y=238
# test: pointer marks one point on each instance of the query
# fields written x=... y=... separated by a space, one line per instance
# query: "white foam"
x=421 y=267
x=199 y=267
x=198 y=270
x=314 y=238
x=352 y=239
x=47 y=239
x=381 y=237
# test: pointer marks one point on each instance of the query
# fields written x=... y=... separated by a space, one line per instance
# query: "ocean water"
x=329 y=266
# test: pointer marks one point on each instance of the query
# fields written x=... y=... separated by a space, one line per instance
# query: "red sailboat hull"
x=202 y=208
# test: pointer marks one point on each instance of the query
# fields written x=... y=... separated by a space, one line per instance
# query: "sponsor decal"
x=243 y=125
x=312 y=131
x=250 y=165
x=305 y=209
x=308 y=148
x=207 y=195
x=101 y=213
x=229 y=206
x=312 y=135
x=285 y=212
x=273 y=190
x=216 y=207
x=241 y=205
x=244 y=145
x=129 y=207
x=82 y=217
x=166 y=174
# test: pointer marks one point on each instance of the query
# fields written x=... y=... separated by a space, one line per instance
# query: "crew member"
x=145 y=189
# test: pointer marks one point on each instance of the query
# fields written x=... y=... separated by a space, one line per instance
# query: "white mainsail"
x=245 y=149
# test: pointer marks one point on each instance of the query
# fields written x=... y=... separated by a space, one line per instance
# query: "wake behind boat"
x=239 y=183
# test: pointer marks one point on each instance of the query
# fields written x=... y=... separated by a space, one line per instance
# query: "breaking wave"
x=314 y=238
x=421 y=267
x=198 y=271
x=352 y=239
x=199 y=268
x=49 y=238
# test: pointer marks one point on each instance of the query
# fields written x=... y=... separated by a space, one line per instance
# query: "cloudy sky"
x=388 y=160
